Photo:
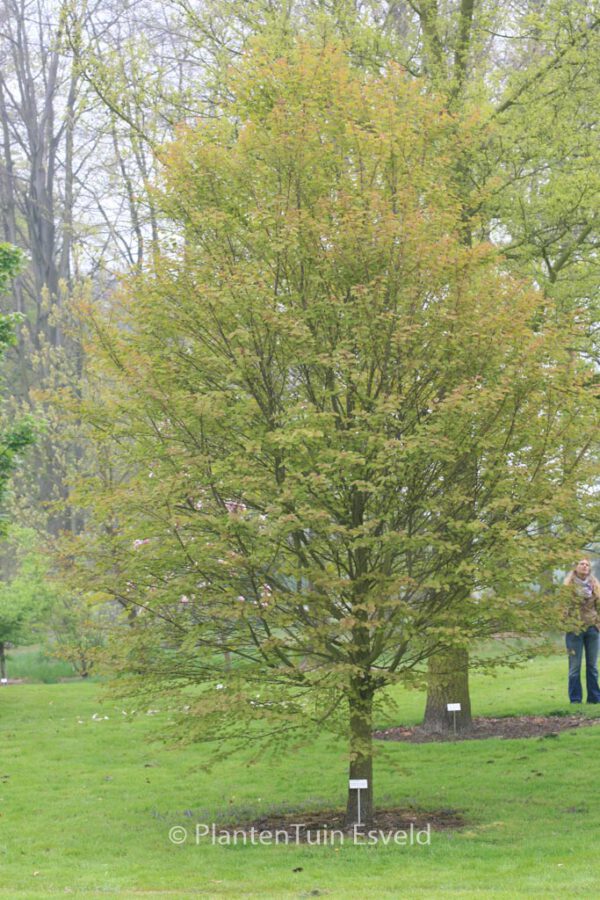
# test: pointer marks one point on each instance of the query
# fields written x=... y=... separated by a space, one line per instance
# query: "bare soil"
x=488 y=727
x=316 y=827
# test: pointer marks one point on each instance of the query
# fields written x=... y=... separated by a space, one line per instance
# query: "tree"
x=65 y=196
x=15 y=439
x=12 y=442
x=76 y=629
x=11 y=261
x=25 y=592
x=343 y=424
x=530 y=69
x=539 y=93
x=40 y=107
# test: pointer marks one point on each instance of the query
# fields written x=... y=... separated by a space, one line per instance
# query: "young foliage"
x=345 y=427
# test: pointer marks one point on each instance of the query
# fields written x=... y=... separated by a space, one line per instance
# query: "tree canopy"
x=353 y=439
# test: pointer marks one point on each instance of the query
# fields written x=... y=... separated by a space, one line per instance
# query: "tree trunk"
x=448 y=682
x=2 y=661
x=361 y=754
x=84 y=670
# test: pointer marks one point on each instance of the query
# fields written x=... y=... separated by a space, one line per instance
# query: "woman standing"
x=584 y=617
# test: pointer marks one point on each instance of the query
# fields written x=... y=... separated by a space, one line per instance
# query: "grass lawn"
x=86 y=805
x=33 y=664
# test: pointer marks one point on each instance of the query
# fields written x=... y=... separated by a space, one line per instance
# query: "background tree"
x=18 y=435
x=302 y=384
x=75 y=628
x=25 y=593
x=13 y=614
x=538 y=93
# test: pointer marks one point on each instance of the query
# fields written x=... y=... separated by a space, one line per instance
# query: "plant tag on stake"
x=453 y=708
x=358 y=784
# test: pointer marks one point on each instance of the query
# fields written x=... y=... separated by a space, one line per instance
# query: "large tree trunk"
x=361 y=754
x=448 y=682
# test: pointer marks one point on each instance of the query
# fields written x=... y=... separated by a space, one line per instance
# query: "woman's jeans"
x=589 y=641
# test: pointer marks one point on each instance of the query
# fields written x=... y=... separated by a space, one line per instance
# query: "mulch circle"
x=317 y=827
x=484 y=727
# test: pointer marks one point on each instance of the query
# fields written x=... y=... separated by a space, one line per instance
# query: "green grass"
x=86 y=805
x=32 y=664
